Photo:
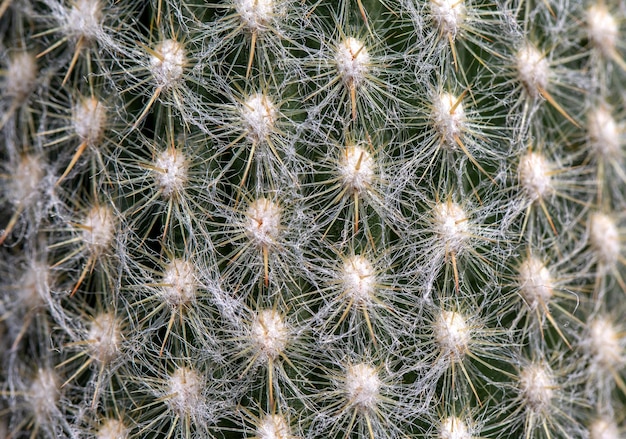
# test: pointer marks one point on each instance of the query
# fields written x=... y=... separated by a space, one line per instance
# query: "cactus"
x=312 y=219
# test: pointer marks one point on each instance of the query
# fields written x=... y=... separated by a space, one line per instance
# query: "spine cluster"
x=282 y=219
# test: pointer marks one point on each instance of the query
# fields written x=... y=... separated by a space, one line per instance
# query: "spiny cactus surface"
x=282 y=219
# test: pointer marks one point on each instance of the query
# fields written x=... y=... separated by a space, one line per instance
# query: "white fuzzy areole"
x=353 y=61
x=105 y=337
x=44 y=393
x=26 y=179
x=604 y=133
x=112 y=429
x=167 y=63
x=533 y=70
x=449 y=15
x=269 y=333
x=450 y=222
x=170 y=169
x=184 y=390
x=452 y=334
x=535 y=283
x=604 y=343
x=448 y=119
x=34 y=286
x=263 y=222
x=362 y=386
x=255 y=14
x=179 y=283
x=356 y=168
x=359 y=279
x=90 y=119
x=259 y=116
x=534 y=175
x=273 y=427
x=536 y=387
x=84 y=19
x=98 y=229
x=602 y=29
x=603 y=429
x=604 y=239
x=454 y=428
x=21 y=76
